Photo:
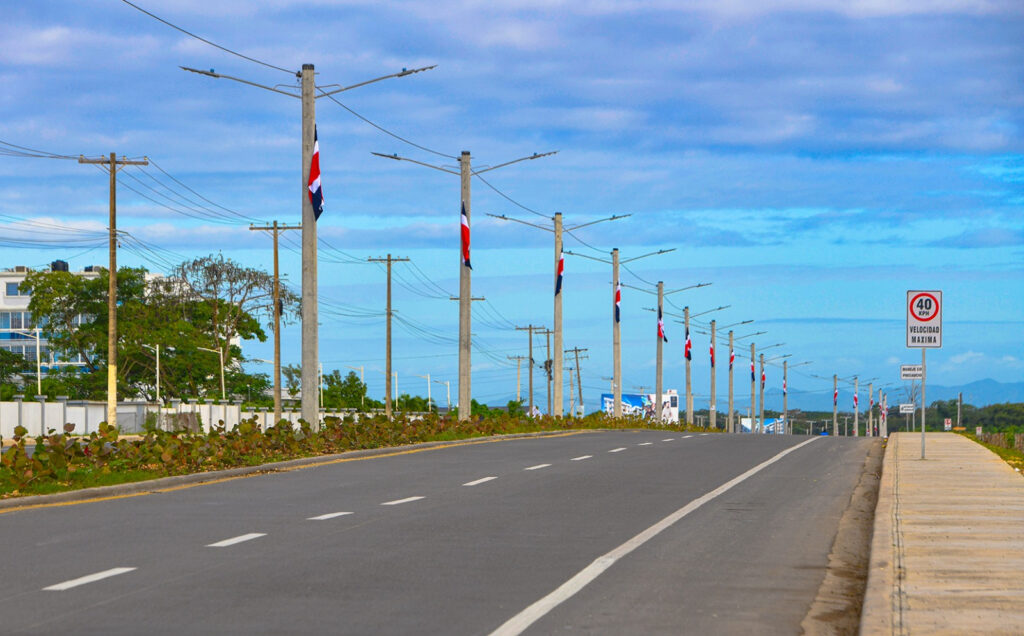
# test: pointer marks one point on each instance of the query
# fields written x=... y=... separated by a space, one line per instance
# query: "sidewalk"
x=947 y=555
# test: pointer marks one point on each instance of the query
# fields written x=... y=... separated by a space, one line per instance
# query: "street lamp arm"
x=509 y=218
x=509 y=163
x=750 y=335
x=641 y=289
x=685 y=288
x=614 y=217
x=636 y=258
x=237 y=79
x=710 y=310
x=427 y=165
x=736 y=324
x=403 y=73
x=599 y=260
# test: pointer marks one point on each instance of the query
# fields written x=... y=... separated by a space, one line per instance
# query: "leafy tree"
x=11 y=367
x=292 y=378
x=348 y=392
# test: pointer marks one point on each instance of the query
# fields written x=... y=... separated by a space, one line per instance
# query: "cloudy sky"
x=812 y=159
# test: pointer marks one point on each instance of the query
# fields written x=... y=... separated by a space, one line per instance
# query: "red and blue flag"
x=316 y=194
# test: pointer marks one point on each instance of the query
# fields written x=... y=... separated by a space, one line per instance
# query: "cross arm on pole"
x=211 y=73
x=509 y=218
x=403 y=73
x=750 y=335
x=614 y=217
x=640 y=289
x=593 y=258
x=420 y=163
x=685 y=288
x=509 y=163
x=636 y=258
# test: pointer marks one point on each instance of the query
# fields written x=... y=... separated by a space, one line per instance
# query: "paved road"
x=457 y=540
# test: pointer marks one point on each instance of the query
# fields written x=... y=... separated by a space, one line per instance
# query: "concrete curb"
x=164 y=483
x=878 y=615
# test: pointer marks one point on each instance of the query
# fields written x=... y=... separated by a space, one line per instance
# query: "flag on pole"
x=316 y=194
x=465 y=237
x=783 y=386
x=618 y=299
x=752 y=376
x=856 y=400
x=687 y=346
x=732 y=358
x=661 y=327
x=835 y=397
x=561 y=269
x=711 y=348
x=762 y=379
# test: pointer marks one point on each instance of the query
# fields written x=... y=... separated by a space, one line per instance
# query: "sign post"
x=924 y=331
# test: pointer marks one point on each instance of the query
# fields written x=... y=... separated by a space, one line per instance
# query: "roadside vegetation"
x=1009 y=446
x=59 y=461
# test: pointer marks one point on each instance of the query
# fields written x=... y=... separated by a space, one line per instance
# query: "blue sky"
x=812 y=159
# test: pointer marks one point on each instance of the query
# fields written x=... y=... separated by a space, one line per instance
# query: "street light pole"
x=220 y=356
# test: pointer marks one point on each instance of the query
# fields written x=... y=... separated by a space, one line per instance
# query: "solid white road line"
x=537 y=467
x=580 y=458
x=67 y=585
x=617 y=450
x=329 y=515
x=645 y=443
x=482 y=480
x=521 y=621
x=239 y=539
x=401 y=501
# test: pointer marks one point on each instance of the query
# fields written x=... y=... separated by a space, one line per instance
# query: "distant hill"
x=978 y=393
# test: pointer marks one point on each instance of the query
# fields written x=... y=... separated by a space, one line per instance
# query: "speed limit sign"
x=924 y=319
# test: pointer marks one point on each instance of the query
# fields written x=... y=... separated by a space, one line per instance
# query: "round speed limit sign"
x=924 y=306
x=924 y=319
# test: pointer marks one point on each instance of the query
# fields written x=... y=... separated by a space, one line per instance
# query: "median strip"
x=239 y=539
x=91 y=578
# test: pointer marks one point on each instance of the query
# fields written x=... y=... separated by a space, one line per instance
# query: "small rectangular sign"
x=907 y=409
x=924 y=319
x=911 y=371
x=947 y=424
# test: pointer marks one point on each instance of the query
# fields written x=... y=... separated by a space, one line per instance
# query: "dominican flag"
x=752 y=376
x=871 y=404
x=783 y=386
x=465 y=237
x=855 y=401
x=618 y=299
x=661 y=327
x=732 y=358
x=688 y=346
x=561 y=269
x=762 y=379
x=835 y=397
x=316 y=194
x=712 y=350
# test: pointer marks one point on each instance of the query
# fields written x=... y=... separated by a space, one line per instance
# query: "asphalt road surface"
x=634 y=532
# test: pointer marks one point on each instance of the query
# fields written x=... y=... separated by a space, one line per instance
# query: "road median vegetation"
x=59 y=462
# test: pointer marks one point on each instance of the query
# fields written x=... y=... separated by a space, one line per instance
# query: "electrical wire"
x=204 y=40
x=14 y=150
x=385 y=130
x=510 y=199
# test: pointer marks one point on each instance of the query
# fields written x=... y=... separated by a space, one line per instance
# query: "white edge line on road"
x=617 y=450
x=537 y=467
x=521 y=621
x=329 y=515
x=239 y=539
x=401 y=501
x=645 y=443
x=580 y=458
x=482 y=480
x=67 y=585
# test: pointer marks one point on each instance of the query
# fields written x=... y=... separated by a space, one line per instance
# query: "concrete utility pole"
x=387 y=346
x=785 y=397
x=557 y=230
x=548 y=367
x=275 y=229
x=870 y=430
x=753 y=405
x=856 y=407
x=310 y=328
x=730 y=422
x=616 y=319
x=112 y=165
x=711 y=409
x=760 y=424
x=427 y=378
x=959 y=405
x=531 y=328
x=465 y=173
x=658 y=365
x=835 y=405
x=579 y=386
x=689 y=384
x=448 y=392
x=519 y=364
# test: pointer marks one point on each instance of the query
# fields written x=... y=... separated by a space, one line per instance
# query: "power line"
x=510 y=199
x=201 y=39
x=385 y=130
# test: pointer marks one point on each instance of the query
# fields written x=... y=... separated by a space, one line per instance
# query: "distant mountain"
x=978 y=393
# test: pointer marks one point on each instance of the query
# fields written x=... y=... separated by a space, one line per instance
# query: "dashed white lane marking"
x=703 y=434
x=645 y=443
x=580 y=458
x=329 y=515
x=537 y=467
x=91 y=578
x=670 y=439
x=521 y=621
x=482 y=480
x=401 y=501
x=239 y=539
x=687 y=436
x=617 y=450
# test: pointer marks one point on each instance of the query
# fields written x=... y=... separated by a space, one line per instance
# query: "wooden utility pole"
x=112 y=164
x=519 y=364
x=387 y=340
x=530 y=328
x=579 y=386
x=275 y=229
